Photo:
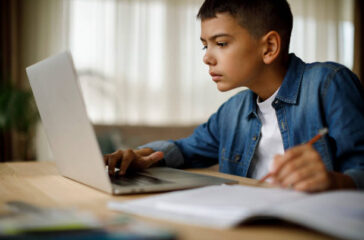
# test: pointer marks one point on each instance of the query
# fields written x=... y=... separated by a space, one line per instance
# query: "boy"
x=263 y=129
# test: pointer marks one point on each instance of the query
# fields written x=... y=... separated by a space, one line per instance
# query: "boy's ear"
x=271 y=46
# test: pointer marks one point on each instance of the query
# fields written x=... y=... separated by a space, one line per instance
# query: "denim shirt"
x=311 y=97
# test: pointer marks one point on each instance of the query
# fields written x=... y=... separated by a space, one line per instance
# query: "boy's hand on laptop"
x=302 y=169
x=135 y=159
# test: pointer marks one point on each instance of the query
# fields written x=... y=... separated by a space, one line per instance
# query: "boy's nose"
x=209 y=60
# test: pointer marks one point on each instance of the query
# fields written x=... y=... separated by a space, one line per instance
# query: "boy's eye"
x=204 y=47
x=221 y=44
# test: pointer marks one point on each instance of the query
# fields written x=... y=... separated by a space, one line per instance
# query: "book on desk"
x=336 y=213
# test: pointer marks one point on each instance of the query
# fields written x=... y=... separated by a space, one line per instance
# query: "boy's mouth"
x=215 y=77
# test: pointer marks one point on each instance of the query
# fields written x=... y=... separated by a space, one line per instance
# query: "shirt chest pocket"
x=230 y=156
x=231 y=162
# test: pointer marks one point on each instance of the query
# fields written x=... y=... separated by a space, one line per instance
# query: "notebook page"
x=214 y=206
x=337 y=213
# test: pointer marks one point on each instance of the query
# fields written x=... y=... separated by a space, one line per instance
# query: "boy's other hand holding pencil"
x=302 y=169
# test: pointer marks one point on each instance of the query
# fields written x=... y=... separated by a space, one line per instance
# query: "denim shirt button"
x=254 y=138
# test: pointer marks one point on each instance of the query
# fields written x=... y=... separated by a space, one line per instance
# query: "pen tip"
x=323 y=131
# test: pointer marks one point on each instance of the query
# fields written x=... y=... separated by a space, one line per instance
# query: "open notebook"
x=337 y=213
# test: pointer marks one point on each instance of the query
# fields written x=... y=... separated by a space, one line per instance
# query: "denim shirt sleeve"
x=172 y=155
x=196 y=151
x=343 y=97
x=201 y=149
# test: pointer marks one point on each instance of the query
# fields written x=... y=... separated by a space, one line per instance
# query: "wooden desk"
x=39 y=183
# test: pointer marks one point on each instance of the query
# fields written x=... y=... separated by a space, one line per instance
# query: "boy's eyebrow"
x=216 y=36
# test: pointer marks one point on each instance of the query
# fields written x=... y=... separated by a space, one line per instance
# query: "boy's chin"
x=223 y=87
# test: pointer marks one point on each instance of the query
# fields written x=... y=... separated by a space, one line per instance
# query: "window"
x=140 y=62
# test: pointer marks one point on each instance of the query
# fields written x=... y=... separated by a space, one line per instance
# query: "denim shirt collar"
x=290 y=87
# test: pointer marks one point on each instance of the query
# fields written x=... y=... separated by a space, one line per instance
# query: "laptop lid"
x=63 y=114
x=73 y=141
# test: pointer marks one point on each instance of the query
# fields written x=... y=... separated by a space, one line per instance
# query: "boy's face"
x=232 y=54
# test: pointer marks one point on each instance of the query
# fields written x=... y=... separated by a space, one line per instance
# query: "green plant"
x=18 y=112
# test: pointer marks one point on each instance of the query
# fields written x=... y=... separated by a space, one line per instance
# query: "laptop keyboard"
x=136 y=179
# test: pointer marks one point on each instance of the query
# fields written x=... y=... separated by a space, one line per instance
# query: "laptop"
x=73 y=141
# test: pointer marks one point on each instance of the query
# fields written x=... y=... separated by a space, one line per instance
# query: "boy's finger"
x=106 y=159
x=128 y=157
x=153 y=158
x=313 y=184
x=290 y=167
x=277 y=162
x=294 y=152
x=298 y=176
x=114 y=160
x=280 y=160
x=277 y=165
x=144 y=151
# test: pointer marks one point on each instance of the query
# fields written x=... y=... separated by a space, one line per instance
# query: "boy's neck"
x=271 y=79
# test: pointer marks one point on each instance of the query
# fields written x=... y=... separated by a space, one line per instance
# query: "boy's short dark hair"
x=257 y=16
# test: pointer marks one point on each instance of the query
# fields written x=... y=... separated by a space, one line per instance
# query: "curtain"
x=9 y=12
x=140 y=62
x=30 y=31
x=323 y=30
x=359 y=31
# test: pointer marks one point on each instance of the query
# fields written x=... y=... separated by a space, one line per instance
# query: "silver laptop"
x=73 y=142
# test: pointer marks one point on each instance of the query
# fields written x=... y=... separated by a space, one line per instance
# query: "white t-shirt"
x=270 y=142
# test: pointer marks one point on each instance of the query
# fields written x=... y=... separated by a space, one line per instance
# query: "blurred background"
x=140 y=64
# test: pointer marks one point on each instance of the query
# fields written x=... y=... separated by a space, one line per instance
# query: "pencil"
x=321 y=133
